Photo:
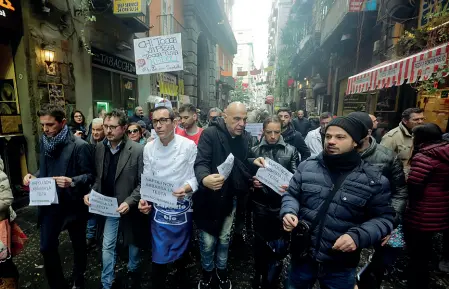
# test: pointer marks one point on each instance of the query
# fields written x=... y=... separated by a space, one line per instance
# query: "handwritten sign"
x=274 y=175
x=43 y=192
x=255 y=129
x=158 y=54
x=103 y=205
x=158 y=191
x=225 y=168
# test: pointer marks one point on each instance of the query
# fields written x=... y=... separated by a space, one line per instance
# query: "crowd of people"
x=348 y=192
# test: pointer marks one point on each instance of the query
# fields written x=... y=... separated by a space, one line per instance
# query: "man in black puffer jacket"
x=358 y=215
x=392 y=169
x=292 y=136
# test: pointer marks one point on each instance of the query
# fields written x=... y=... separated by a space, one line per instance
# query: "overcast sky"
x=253 y=14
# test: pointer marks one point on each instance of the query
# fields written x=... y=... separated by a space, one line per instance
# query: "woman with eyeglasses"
x=269 y=245
x=135 y=133
x=427 y=212
x=78 y=124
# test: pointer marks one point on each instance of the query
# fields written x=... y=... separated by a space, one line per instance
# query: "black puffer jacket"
x=392 y=169
x=282 y=153
x=210 y=208
x=295 y=139
x=360 y=208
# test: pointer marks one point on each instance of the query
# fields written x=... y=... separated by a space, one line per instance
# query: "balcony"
x=344 y=11
x=169 y=25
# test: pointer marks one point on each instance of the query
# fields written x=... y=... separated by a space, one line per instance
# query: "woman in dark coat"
x=428 y=208
x=266 y=202
x=78 y=124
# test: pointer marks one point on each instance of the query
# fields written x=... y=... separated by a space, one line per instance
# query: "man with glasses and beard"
x=170 y=157
x=63 y=153
x=189 y=119
x=119 y=167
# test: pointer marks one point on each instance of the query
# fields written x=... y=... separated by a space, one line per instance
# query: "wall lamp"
x=48 y=56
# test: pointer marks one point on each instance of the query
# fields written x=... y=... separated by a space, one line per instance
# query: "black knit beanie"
x=363 y=117
x=354 y=127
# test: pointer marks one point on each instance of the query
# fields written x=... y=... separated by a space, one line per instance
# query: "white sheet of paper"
x=158 y=191
x=274 y=175
x=225 y=168
x=103 y=205
x=255 y=129
x=43 y=192
x=153 y=134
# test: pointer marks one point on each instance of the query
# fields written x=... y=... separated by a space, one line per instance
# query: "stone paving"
x=32 y=274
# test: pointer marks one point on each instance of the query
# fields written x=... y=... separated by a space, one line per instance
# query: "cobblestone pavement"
x=32 y=272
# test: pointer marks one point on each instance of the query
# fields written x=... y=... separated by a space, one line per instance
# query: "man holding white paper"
x=65 y=163
x=119 y=166
x=169 y=177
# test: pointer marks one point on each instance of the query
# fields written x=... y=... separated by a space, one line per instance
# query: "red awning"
x=413 y=68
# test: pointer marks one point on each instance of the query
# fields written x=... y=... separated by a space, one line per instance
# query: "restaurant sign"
x=129 y=8
x=10 y=14
x=108 y=60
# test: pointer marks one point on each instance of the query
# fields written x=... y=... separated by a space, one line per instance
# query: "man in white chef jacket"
x=170 y=158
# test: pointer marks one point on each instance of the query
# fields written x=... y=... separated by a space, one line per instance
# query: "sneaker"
x=444 y=266
x=223 y=281
x=206 y=280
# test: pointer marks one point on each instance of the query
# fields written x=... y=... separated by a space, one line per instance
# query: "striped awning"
x=411 y=69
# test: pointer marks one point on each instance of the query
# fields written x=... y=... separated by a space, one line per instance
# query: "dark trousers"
x=51 y=227
x=419 y=249
x=160 y=273
x=383 y=259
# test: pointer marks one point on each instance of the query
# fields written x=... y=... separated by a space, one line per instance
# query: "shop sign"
x=129 y=8
x=362 y=5
x=108 y=60
x=10 y=14
x=167 y=84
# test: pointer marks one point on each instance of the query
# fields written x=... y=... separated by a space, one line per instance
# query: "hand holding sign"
x=214 y=181
x=43 y=192
x=274 y=176
x=102 y=205
x=158 y=191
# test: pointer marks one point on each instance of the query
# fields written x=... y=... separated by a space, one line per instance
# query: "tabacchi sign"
x=10 y=18
x=6 y=4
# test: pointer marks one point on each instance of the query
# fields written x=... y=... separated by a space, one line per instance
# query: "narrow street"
x=32 y=274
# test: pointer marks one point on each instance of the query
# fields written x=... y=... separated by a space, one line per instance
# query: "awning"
x=413 y=68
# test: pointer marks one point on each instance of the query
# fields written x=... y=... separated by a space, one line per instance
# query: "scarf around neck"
x=52 y=143
x=342 y=162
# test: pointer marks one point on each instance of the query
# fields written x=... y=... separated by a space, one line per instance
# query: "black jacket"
x=282 y=153
x=74 y=160
x=210 y=208
x=392 y=169
x=302 y=125
x=295 y=139
x=360 y=208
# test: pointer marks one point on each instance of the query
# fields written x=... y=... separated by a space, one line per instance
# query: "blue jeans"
x=304 y=274
x=213 y=248
x=91 y=227
x=109 y=255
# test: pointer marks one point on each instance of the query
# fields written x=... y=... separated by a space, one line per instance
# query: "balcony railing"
x=169 y=25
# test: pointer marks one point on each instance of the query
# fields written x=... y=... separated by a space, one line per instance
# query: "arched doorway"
x=202 y=72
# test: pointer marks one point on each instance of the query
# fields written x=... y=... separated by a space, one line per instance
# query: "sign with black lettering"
x=105 y=59
x=159 y=191
x=158 y=54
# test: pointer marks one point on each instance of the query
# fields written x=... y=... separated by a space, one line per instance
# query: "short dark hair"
x=427 y=133
x=325 y=115
x=269 y=120
x=171 y=113
x=120 y=114
x=187 y=107
x=408 y=112
x=53 y=110
x=284 y=109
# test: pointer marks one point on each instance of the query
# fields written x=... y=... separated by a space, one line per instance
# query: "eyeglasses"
x=133 y=131
x=162 y=121
x=111 y=127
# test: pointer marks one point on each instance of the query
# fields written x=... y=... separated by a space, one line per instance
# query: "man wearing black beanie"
x=343 y=206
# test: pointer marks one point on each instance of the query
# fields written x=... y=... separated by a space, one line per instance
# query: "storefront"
x=391 y=83
x=12 y=141
x=114 y=82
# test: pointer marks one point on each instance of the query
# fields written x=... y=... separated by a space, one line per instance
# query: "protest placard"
x=103 y=205
x=43 y=192
x=158 y=54
x=225 y=168
x=158 y=191
x=255 y=129
x=274 y=175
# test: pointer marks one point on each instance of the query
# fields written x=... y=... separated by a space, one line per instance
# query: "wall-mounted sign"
x=129 y=8
x=108 y=60
x=10 y=14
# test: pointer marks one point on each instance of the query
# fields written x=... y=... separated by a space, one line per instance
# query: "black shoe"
x=91 y=243
x=206 y=280
x=132 y=280
x=223 y=281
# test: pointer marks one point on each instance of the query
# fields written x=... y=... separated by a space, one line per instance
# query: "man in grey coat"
x=119 y=166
